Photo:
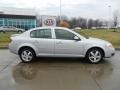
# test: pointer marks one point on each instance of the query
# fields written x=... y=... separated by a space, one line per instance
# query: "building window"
x=18 y=23
x=1 y=22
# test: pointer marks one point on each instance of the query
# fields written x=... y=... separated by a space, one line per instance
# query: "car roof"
x=48 y=27
x=27 y=32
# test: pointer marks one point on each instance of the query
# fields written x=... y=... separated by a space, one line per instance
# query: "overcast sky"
x=70 y=8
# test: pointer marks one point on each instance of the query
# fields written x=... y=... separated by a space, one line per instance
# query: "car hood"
x=96 y=40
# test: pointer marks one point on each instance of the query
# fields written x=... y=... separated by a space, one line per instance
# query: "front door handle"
x=59 y=42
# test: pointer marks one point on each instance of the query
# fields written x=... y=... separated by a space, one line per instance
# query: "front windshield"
x=82 y=33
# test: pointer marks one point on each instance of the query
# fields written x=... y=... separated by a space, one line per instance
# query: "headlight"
x=109 y=45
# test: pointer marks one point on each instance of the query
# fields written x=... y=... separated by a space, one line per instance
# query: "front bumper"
x=110 y=52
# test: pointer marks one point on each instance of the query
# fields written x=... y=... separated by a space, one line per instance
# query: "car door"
x=42 y=39
x=65 y=45
x=8 y=28
x=14 y=29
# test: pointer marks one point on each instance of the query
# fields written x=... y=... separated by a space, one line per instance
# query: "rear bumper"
x=12 y=48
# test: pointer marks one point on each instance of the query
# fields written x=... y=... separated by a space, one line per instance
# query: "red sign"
x=49 y=22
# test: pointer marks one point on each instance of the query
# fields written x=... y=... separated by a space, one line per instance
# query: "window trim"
x=42 y=29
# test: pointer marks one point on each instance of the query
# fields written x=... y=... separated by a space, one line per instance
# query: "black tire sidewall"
x=87 y=56
x=33 y=54
x=19 y=31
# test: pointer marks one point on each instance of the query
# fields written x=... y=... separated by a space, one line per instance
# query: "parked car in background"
x=59 y=42
x=10 y=29
x=94 y=28
x=77 y=28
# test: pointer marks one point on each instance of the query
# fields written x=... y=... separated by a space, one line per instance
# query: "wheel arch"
x=23 y=47
x=96 y=48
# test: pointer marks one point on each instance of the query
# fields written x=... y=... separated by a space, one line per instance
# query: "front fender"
x=89 y=46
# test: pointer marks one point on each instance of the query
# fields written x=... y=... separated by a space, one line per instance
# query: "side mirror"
x=76 y=38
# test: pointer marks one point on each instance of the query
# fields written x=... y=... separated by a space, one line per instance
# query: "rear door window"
x=41 y=33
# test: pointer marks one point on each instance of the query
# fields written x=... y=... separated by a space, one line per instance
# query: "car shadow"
x=64 y=60
x=23 y=72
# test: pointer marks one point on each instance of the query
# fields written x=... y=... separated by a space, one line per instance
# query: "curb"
x=117 y=49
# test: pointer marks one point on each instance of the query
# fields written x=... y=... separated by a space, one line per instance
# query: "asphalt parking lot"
x=58 y=74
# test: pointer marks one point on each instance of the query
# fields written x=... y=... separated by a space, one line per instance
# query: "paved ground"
x=58 y=74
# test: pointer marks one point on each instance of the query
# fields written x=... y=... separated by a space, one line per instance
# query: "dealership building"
x=18 y=17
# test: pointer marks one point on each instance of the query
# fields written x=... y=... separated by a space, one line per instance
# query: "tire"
x=2 y=31
x=19 y=31
x=27 y=55
x=94 y=55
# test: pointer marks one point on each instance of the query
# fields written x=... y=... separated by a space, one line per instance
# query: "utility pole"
x=87 y=23
x=109 y=21
x=60 y=9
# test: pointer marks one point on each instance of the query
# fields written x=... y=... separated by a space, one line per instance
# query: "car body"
x=59 y=42
x=10 y=29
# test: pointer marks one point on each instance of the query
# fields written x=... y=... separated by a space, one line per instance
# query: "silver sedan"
x=59 y=42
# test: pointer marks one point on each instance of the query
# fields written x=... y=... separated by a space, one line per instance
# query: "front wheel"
x=27 y=55
x=94 y=55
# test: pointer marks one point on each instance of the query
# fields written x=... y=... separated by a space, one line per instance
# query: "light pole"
x=60 y=10
x=87 y=23
x=109 y=23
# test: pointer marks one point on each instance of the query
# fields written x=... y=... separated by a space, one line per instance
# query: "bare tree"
x=115 y=20
x=63 y=18
x=73 y=22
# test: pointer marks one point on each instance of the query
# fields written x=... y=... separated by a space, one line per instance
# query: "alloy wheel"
x=26 y=55
x=95 y=56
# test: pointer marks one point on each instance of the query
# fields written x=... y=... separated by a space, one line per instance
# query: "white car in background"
x=94 y=28
x=59 y=42
x=10 y=29
x=77 y=28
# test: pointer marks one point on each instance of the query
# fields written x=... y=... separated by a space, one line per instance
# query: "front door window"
x=64 y=34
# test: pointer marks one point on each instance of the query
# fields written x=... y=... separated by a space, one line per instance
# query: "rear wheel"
x=94 y=55
x=2 y=31
x=27 y=55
